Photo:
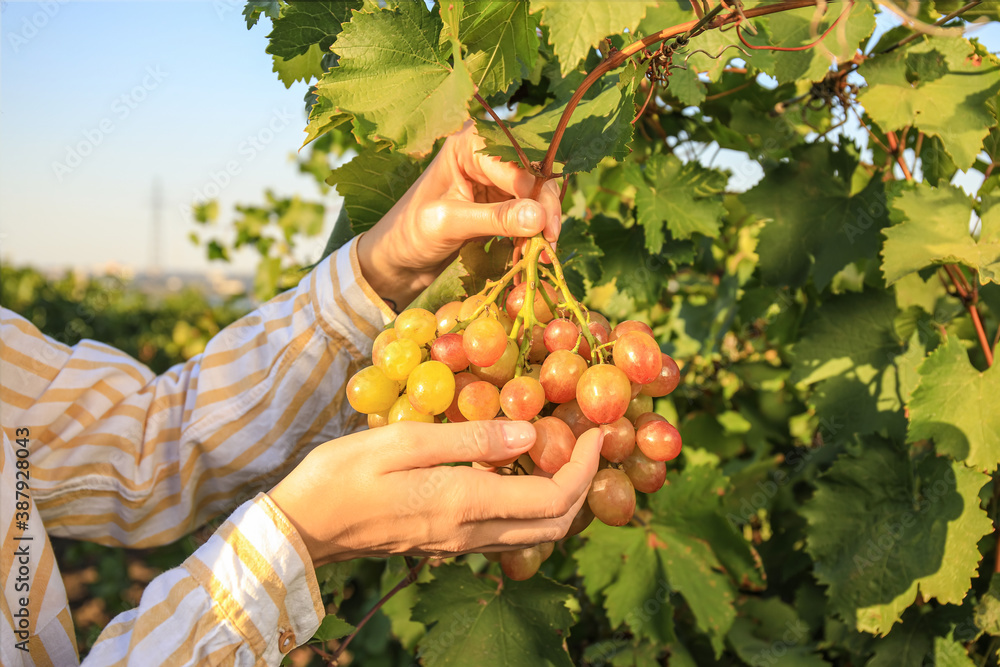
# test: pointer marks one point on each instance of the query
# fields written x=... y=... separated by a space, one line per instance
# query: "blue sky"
x=175 y=90
x=147 y=89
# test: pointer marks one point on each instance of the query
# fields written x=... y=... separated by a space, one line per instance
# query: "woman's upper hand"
x=462 y=195
x=385 y=491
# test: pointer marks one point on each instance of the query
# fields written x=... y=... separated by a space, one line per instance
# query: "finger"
x=458 y=220
x=532 y=497
x=417 y=445
x=506 y=176
x=549 y=199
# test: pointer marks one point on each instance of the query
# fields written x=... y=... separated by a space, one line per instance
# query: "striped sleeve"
x=246 y=597
x=121 y=456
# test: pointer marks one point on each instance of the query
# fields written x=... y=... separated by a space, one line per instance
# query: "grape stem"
x=494 y=291
x=527 y=312
x=571 y=301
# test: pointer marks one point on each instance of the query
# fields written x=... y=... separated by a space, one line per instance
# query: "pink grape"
x=612 y=497
x=619 y=440
x=571 y=413
x=479 y=401
x=561 y=372
x=522 y=398
x=638 y=356
x=667 y=379
x=484 y=342
x=645 y=474
x=659 y=440
x=448 y=350
x=554 y=442
x=603 y=393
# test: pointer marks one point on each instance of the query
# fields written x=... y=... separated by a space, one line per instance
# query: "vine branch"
x=969 y=296
x=410 y=577
x=525 y=163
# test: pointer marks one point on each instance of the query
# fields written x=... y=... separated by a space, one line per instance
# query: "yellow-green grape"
x=371 y=391
x=417 y=324
x=403 y=411
x=399 y=358
x=431 y=387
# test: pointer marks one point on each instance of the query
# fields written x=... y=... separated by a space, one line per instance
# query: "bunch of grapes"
x=530 y=351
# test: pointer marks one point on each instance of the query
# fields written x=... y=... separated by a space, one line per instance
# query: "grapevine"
x=817 y=394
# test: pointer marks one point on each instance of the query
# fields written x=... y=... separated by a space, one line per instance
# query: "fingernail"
x=527 y=218
x=517 y=434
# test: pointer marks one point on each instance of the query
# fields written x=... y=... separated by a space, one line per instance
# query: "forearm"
x=247 y=596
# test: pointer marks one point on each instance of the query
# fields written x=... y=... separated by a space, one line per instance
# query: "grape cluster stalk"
x=525 y=349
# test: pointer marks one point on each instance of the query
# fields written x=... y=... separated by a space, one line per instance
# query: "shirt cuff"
x=346 y=304
x=260 y=577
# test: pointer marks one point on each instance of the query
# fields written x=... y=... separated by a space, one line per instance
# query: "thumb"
x=462 y=220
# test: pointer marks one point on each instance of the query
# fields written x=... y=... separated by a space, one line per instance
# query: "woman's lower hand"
x=385 y=491
x=462 y=195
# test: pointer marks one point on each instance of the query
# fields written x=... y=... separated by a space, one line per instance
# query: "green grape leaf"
x=815 y=225
x=576 y=28
x=254 y=8
x=862 y=372
x=467 y=274
x=955 y=405
x=883 y=529
x=621 y=653
x=303 y=67
x=687 y=198
x=628 y=264
x=372 y=183
x=502 y=43
x=600 y=127
x=304 y=24
x=395 y=79
x=951 y=106
x=323 y=117
x=333 y=628
x=936 y=231
x=935 y=163
x=688 y=548
x=771 y=632
x=912 y=642
x=472 y=621
x=580 y=255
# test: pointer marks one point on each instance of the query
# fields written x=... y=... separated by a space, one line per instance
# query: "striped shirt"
x=97 y=447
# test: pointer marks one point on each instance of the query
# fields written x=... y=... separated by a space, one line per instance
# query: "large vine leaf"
x=815 y=224
x=472 y=621
x=502 y=43
x=883 y=528
x=949 y=102
x=687 y=198
x=576 y=28
x=688 y=548
x=395 y=78
x=304 y=23
x=765 y=625
x=956 y=406
x=851 y=351
x=303 y=67
x=936 y=231
x=371 y=183
x=600 y=127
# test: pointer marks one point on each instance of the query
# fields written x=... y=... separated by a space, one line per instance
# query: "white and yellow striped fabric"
x=116 y=455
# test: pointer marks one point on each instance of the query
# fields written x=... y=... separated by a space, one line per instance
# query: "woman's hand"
x=384 y=491
x=462 y=195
